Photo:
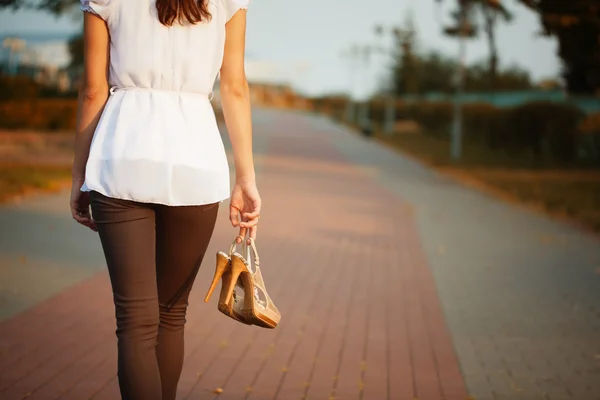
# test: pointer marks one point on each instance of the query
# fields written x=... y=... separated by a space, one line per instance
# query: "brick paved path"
x=355 y=262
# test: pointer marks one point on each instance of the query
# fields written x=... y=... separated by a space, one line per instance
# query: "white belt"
x=114 y=89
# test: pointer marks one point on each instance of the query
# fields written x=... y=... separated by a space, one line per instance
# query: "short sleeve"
x=98 y=7
x=233 y=6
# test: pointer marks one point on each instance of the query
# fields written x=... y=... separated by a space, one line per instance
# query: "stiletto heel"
x=222 y=264
x=235 y=272
x=227 y=299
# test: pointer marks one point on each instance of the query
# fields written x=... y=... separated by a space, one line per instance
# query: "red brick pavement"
x=342 y=259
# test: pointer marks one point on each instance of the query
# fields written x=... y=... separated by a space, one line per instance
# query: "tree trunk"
x=490 y=30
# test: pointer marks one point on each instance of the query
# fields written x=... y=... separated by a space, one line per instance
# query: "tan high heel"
x=258 y=310
x=229 y=306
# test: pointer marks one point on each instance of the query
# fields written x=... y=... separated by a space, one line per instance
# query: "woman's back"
x=145 y=53
x=158 y=140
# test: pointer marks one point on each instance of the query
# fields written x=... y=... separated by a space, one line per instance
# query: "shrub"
x=377 y=109
x=334 y=107
x=543 y=131
x=42 y=114
x=591 y=125
x=435 y=118
x=544 y=128
x=482 y=123
x=18 y=87
x=590 y=137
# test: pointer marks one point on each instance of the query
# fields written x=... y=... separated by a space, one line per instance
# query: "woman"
x=150 y=162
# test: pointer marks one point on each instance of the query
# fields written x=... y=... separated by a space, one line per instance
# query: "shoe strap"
x=245 y=248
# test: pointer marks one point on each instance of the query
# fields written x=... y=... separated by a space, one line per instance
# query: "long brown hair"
x=192 y=11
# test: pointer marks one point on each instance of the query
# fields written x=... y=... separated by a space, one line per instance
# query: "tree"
x=54 y=6
x=76 y=51
x=490 y=11
x=576 y=25
x=405 y=72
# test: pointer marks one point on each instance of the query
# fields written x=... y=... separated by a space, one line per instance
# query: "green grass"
x=19 y=179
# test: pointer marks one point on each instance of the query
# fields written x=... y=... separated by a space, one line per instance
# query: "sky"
x=302 y=41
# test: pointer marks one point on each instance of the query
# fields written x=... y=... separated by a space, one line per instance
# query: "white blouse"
x=157 y=140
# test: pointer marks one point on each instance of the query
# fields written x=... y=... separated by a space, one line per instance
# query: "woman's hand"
x=80 y=205
x=244 y=208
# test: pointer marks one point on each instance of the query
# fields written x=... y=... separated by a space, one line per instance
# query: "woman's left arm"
x=93 y=94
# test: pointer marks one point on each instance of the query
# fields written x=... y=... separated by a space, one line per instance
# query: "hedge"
x=547 y=131
x=40 y=114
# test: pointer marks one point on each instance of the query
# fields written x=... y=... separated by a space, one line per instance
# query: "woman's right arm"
x=235 y=99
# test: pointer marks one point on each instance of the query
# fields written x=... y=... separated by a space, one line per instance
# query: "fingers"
x=252 y=234
x=84 y=218
x=92 y=225
x=242 y=235
x=256 y=205
x=234 y=215
x=250 y=223
x=253 y=214
x=251 y=218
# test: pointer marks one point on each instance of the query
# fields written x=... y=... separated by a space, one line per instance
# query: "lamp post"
x=464 y=30
x=352 y=55
x=404 y=37
x=363 y=114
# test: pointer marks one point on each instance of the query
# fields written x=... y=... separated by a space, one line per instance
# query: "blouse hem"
x=103 y=192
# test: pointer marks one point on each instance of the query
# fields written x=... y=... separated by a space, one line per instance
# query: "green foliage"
x=333 y=106
x=22 y=87
x=513 y=78
x=590 y=129
x=435 y=73
x=576 y=24
x=54 y=6
x=40 y=114
x=591 y=125
x=545 y=132
x=468 y=15
x=18 y=87
x=76 y=50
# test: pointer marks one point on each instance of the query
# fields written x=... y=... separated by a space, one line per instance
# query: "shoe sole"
x=225 y=309
x=259 y=319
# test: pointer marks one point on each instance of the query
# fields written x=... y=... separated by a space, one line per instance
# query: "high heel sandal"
x=228 y=305
x=258 y=308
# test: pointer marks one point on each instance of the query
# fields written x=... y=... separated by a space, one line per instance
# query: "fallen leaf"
x=515 y=387
x=218 y=391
